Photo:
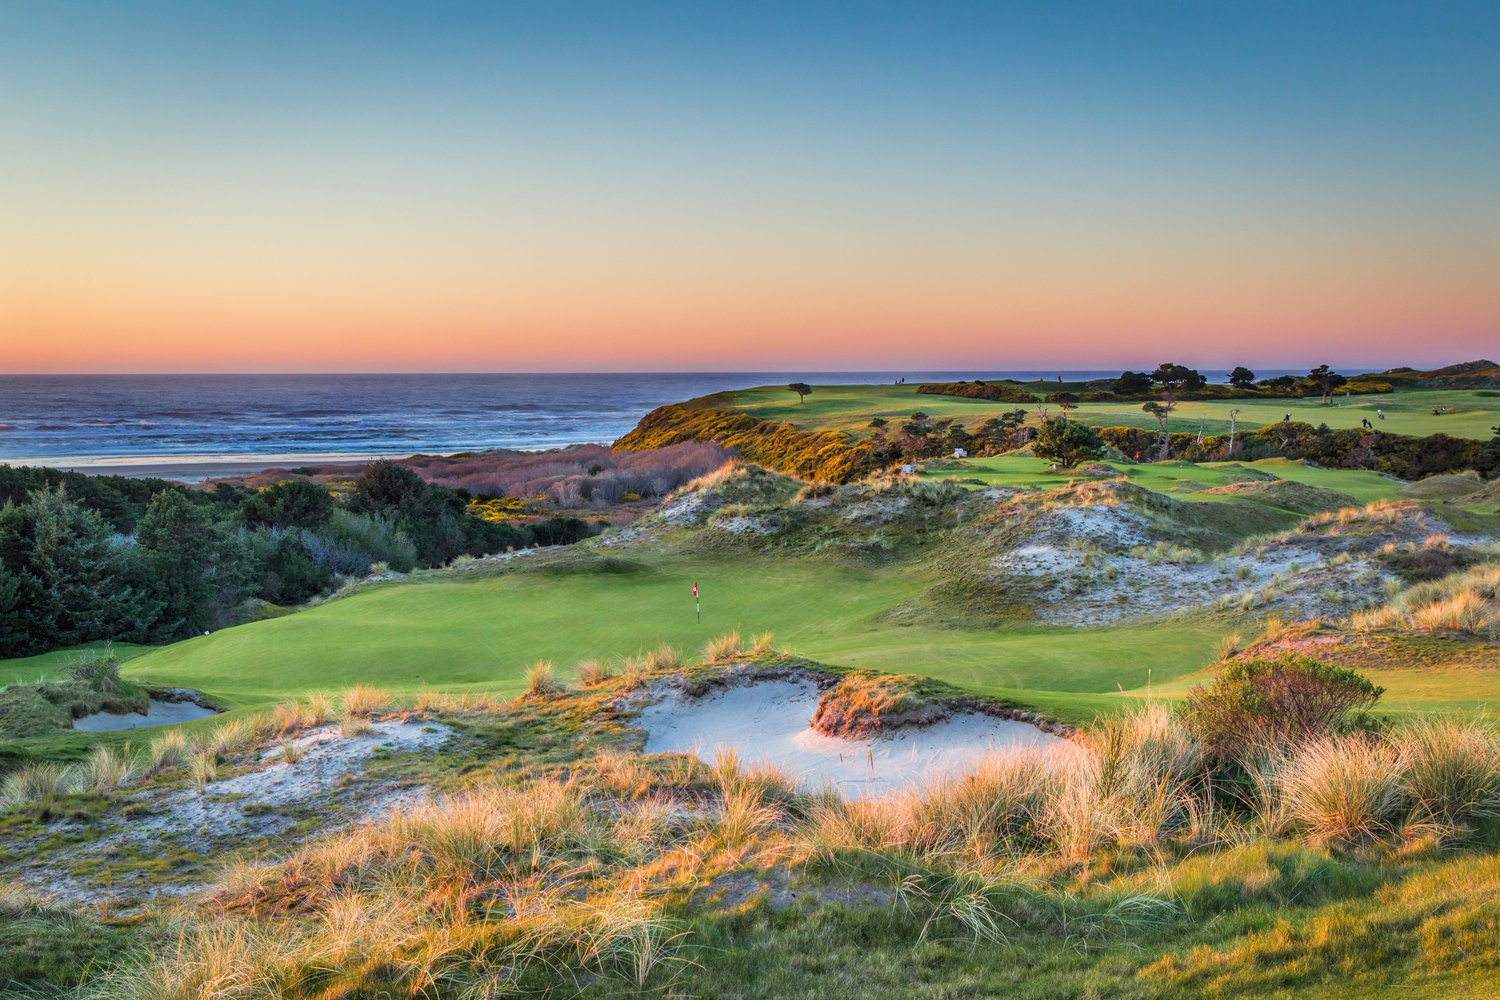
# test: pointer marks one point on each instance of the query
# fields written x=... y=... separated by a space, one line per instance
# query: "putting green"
x=481 y=634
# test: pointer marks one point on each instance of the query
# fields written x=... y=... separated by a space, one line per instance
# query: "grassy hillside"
x=837 y=580
x=851 y=407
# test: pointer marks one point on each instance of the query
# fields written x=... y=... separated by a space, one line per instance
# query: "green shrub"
x=1261 y=704
x=1066 y=443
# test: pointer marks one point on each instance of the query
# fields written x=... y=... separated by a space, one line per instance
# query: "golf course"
x=1469 y=413
x=482 y=726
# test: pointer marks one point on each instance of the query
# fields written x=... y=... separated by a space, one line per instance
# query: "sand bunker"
x=769 y=721
x=161 y=713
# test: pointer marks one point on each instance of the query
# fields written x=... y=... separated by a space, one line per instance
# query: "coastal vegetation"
x=1257 y=689
x=129 y=562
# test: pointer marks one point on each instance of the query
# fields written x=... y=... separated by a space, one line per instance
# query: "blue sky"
x=525 y=185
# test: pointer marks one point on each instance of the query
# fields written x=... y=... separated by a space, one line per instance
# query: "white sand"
x=769 y=721
x=162 y=713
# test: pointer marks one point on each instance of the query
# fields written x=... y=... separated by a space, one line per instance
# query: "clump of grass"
x=1167 y=552
x=663 y=657
x=203 y=767
x=34 y=783
x=814 y=491
x=592 y=673
x=286 y=717
x=354 y=726
x=236 y=734
x=1133 y=784
x=317 y=709
x=724 y=647
x=1343 y=790
x=541 y=680
x=633 y=675
x=710 y=480
x=104 y=770
x=743 y=817
x=1001 y=802
x=1467 y=601
x=1228 y=646
x=171 y=749
x=362 y=702
x=1450 y=774
x=291 y=751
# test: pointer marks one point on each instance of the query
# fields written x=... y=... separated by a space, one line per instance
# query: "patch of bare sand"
x=769 y=721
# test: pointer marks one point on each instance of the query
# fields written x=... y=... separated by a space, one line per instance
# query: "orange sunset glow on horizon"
x=530 y=195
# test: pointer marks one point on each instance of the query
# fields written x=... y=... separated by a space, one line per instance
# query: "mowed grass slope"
x=481 y=634
x=851 y=407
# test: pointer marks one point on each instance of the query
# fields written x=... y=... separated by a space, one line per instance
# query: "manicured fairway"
x=850 y=408
x=482 y=634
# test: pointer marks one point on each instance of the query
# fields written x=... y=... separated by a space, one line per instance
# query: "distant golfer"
x=1380 y=413
x=1366 y=422
x=1287 y=419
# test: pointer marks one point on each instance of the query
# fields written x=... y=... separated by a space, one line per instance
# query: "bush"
x=1259 y=704
x=998 y=392
x=95 y=668
x=1066 y=443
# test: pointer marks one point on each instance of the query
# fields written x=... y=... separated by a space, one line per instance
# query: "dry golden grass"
x=171 y=749
x=1467 y=601
x=33 y=783
x=724 y=647
x=541 y=680
x=203 y=767
x=663 y=657
x=237 y=734
x=1343 y=790
x=709 y=480
x=592 y=673
x=361 y=701
x=354 y=726
x=1450 y=774
x=104 y=770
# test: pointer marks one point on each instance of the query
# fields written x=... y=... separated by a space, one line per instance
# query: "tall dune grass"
x=1467 y=601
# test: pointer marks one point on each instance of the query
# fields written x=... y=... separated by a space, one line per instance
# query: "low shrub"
x=1258 y=703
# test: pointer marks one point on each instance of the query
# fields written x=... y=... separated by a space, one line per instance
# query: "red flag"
x=695 y=589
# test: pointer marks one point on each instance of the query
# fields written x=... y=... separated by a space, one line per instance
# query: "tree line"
x=88 y=558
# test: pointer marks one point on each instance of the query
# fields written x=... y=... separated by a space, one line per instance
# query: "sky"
x=762 y=186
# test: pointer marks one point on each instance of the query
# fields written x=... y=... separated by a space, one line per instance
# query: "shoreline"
x=197 y=469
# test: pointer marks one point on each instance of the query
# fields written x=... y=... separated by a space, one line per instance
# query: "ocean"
x=98 y=422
